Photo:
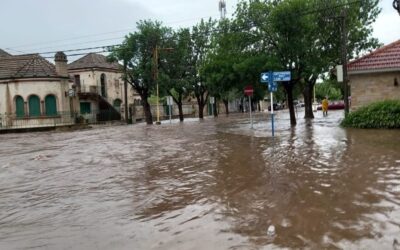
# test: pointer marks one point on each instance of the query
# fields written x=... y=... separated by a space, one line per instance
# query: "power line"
x=98 y=34
x=214 y=30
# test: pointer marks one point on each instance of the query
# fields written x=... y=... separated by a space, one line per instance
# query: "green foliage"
x=385 y=114
x=328 y=88
x=137 y=54
x=175 y=70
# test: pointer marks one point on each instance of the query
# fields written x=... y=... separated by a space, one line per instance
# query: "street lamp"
x=155 y=53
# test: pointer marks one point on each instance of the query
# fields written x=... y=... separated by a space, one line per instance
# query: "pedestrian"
x=325 y=106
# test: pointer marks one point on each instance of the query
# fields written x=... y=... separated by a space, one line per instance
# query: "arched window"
x=103 y=85
x=50 y=105
x=34 y=105
x=19 y=106
x=117 y=104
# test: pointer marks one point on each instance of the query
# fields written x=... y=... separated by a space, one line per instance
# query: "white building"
x=100 y=87
x=34 y=92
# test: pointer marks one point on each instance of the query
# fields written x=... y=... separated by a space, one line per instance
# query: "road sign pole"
x=170 y=113
x=251 y=116
x=272 y=114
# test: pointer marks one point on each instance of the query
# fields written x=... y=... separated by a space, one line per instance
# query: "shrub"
x=384 y=114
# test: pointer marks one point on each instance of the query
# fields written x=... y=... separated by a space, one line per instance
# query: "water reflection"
x=210 y=185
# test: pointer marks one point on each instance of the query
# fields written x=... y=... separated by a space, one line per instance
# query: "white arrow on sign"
x=264 y=76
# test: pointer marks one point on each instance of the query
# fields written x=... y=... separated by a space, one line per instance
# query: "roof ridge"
x=383 y=48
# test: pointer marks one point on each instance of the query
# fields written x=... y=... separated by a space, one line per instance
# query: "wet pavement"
x=214 y=184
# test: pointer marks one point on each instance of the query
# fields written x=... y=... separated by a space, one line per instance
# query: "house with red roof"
x=375 y=76
x=35 y=93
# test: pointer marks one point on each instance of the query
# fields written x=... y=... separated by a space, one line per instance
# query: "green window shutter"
x=117 y=103
x=51 y=105
x=85 y=108
x=34 y=106
x=19 y=106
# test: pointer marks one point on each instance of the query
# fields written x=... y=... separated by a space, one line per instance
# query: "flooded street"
x=215 y=184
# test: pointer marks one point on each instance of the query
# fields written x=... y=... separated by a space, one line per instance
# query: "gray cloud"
x=38 y=23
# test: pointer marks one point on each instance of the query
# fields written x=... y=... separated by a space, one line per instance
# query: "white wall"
x=41 y=88
x=3 y=97
x=114 y=84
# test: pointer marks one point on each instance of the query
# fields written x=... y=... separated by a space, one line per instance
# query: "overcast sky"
x=28 y=26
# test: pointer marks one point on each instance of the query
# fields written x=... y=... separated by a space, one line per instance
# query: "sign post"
x=212 y=101
x=248 y=90
x=170 y=103
x=272 y=78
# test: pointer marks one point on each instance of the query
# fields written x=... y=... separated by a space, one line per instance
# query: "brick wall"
x=373 y=87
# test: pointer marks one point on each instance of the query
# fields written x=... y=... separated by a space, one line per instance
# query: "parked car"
x=333 y=105
x=277 y=106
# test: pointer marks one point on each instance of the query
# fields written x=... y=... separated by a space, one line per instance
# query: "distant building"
x=34 y=92
x=376 y=76
x=100 y=87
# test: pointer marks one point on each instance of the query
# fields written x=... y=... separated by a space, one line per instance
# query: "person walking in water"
x=325 y=106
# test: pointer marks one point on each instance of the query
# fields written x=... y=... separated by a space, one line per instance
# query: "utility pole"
x=155 y=57
x=126 y=92
x=155 y=77
x=222 y=8
x=344 y=61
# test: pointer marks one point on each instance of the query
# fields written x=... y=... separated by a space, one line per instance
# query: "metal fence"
x=14 y=121
x=137 y=112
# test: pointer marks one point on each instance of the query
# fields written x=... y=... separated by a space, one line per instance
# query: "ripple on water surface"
x=214 y=184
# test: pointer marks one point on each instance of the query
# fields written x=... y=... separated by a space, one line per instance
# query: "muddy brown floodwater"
x=214 y=184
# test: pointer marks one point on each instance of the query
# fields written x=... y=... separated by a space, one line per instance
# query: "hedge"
x=384 y=114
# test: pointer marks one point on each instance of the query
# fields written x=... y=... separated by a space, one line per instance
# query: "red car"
x=334 y=105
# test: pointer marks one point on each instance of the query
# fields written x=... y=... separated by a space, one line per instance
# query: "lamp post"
x=155 y=57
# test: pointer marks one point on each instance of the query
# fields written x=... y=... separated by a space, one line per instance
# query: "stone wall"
x=373 y=87
x=91 y=83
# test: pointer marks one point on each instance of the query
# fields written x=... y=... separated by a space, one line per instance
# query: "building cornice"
x=94 y=69
x=36 y=79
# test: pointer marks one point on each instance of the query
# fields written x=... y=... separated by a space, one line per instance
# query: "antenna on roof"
x=222 y=8
x=396 y=5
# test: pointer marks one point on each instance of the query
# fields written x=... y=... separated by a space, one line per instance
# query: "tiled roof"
x=385 y=58
x=93 y=60
x=3 y=53
x=25 y=66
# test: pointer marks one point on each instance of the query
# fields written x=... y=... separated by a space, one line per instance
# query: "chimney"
x=61 y=64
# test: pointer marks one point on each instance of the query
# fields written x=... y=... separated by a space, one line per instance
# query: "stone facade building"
x=34 y=92
x=100 y=87
x=376 y=76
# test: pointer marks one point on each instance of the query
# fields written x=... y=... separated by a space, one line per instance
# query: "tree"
x=324 y=52
x=329 y=88
x=201 y=40
x=300 y=38
x=137 y=51
x=175 y=74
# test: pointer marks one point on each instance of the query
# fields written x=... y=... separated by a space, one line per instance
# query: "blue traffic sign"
x=272 y=87
x=265 y=77
x=273 y=77
x=283 y=76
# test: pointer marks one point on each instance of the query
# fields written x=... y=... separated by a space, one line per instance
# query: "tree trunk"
x=308 y=96
x=147 y=111
x=289 y=91
x=214 y=106
x=201 y=102
x=180 y=111
x=226 y=103
x=201 y=110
